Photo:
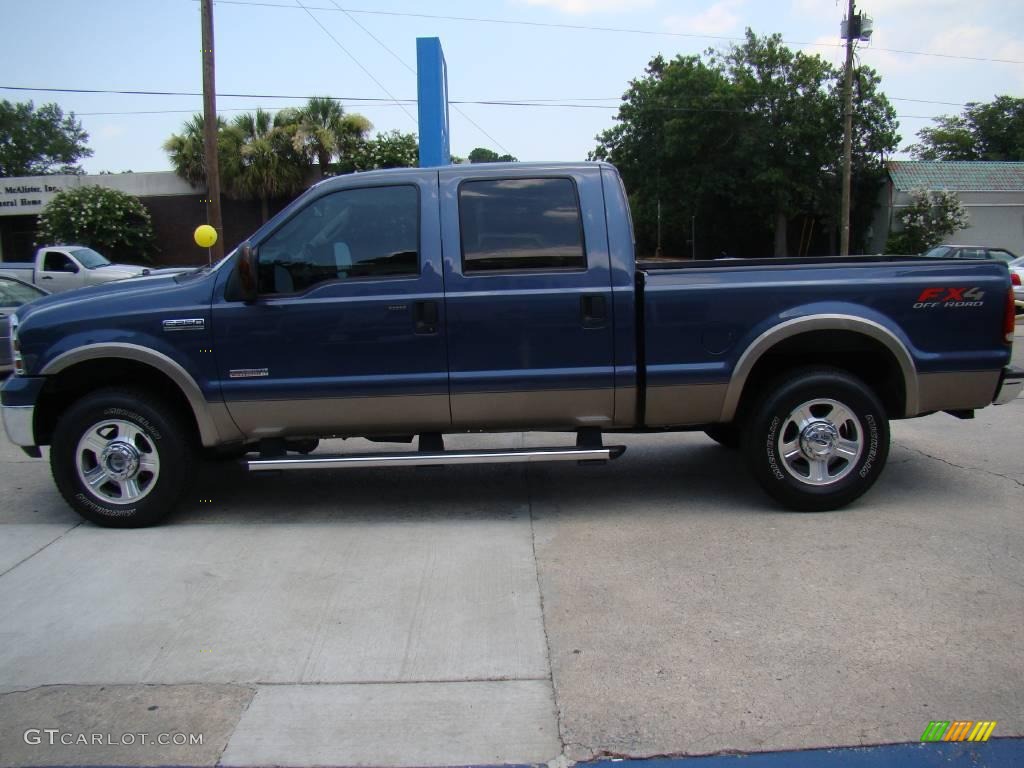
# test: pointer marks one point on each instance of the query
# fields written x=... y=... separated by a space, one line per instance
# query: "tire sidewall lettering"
x=143 y=422
x=873 y=441
x=773 y=462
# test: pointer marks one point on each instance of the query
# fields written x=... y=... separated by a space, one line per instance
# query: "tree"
x=733 y=146
x=484 y=155
x=187 y=151
x=393 y=149
x=35 y=142
x=112 y=222
x=325 y=131
x=262 y=162
x=984 y=131
x=931 y=217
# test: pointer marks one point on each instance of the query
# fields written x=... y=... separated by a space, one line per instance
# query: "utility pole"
x=851 y=35
x=210 y=132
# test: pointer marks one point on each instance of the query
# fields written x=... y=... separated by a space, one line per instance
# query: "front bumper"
x=18 y=420
x=1010 y=385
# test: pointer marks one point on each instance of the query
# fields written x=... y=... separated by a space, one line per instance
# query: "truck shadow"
x=691 y=478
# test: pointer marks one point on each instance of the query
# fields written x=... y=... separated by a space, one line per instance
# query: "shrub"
x=930 y=217
x=114 y=223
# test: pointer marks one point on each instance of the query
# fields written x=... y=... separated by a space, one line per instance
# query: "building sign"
x=27 y=196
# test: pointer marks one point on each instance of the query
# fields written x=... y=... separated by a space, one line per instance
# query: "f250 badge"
x=950 y=297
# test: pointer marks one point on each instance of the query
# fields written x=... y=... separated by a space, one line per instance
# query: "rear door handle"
x=593 y=311
x=425 y=313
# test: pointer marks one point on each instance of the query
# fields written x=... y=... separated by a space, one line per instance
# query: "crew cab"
x=59 y=268
x=500 y=297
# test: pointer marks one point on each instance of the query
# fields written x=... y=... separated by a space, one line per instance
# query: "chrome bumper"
x=18 y=424
x=1011 y=385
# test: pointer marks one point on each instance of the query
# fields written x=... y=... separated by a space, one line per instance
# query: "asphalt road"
x=659 y=605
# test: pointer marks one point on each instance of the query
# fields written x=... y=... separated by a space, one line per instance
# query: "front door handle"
x=593 y=311
x=425 y=313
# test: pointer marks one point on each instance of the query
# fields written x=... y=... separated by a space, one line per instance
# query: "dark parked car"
x=13 y=294
x=969 y=252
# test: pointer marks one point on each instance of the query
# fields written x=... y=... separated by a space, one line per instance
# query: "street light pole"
x=210 y=132
x=844 y=234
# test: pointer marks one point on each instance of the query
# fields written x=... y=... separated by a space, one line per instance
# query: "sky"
x=366 y=49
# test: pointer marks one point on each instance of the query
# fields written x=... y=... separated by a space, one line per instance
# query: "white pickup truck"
x=63 y=267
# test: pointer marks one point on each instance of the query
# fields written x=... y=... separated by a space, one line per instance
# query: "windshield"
x=14 y=294
x=1018 y=262
x=938 y=252
x=88 y=258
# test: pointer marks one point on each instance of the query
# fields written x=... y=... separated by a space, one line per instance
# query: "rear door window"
x=526 y=225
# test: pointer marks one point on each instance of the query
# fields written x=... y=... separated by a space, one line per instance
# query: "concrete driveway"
x=497 y=614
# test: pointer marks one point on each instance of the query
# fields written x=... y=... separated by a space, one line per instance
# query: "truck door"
x=57 y=271
x=528 y=295
x=348 y=333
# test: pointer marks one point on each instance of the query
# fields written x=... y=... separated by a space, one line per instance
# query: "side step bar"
x=435 y=458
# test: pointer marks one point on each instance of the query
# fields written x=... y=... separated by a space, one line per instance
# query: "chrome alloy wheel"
x=820 y=442
x=117 y=462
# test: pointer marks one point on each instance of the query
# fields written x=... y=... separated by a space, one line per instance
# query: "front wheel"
x=818 y=441
x=121 y=459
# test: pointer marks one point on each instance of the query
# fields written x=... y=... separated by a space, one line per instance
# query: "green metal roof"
x=957 y=176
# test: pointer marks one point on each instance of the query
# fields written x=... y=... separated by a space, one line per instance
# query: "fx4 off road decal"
x=950 y=298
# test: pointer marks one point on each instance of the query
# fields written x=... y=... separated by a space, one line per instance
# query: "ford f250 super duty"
x=494 y=298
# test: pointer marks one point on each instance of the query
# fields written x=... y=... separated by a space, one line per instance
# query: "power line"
x=402 y=61
x=358 y=63
x=541 y=104
x=621 y=30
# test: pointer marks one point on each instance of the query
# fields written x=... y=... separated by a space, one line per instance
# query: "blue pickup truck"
x=419 y=302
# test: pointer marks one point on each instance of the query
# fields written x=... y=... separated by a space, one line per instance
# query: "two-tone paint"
x=610 y=346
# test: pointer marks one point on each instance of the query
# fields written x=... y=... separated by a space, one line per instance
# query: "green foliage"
x=262 y=160
x=114 y=223
x=930 y=217
x=393 y=149
x=263 y=157
x=984 y=131
x=35 y=142
x=484 y=155
x=742 y=142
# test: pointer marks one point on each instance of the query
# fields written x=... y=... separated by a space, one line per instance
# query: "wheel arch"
x=76 y=372
x=879 y=357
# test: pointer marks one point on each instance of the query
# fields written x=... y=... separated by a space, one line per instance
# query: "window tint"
x=520 y=224
x=55 y=261
x=370 y=232
x=972 y=253
x=1004 y=256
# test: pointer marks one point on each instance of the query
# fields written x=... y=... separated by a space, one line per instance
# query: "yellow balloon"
x=205 y=236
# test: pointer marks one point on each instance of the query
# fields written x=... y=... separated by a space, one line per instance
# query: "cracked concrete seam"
x=959 y=466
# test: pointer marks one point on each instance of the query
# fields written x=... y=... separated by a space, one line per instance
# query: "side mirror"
x=246 y=268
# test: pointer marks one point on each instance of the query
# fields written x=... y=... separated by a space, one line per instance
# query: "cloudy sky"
x=553 y=53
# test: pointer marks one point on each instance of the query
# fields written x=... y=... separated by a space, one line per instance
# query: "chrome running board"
x=435 y=458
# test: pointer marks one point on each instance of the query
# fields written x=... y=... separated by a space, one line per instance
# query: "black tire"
x=773 y=424
x=726 y=435
x=163 y=442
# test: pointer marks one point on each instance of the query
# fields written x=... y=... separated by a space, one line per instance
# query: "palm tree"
x=187 y=152
x=268 y=165
x=324 y=131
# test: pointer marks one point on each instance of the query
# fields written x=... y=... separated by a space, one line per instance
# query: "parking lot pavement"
x=394 y=617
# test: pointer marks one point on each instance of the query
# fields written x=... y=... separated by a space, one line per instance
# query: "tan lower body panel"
x=548 y=409
x=956 y=391
x=684 y=404
x=401 y=414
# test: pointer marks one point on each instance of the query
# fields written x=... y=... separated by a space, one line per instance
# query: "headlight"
x=19 y=364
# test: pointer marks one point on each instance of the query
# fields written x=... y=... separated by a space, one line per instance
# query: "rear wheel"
x=121 y=459
x=819 y=439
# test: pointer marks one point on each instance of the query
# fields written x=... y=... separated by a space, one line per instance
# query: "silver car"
x=1017 y=276
x=13 y=294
